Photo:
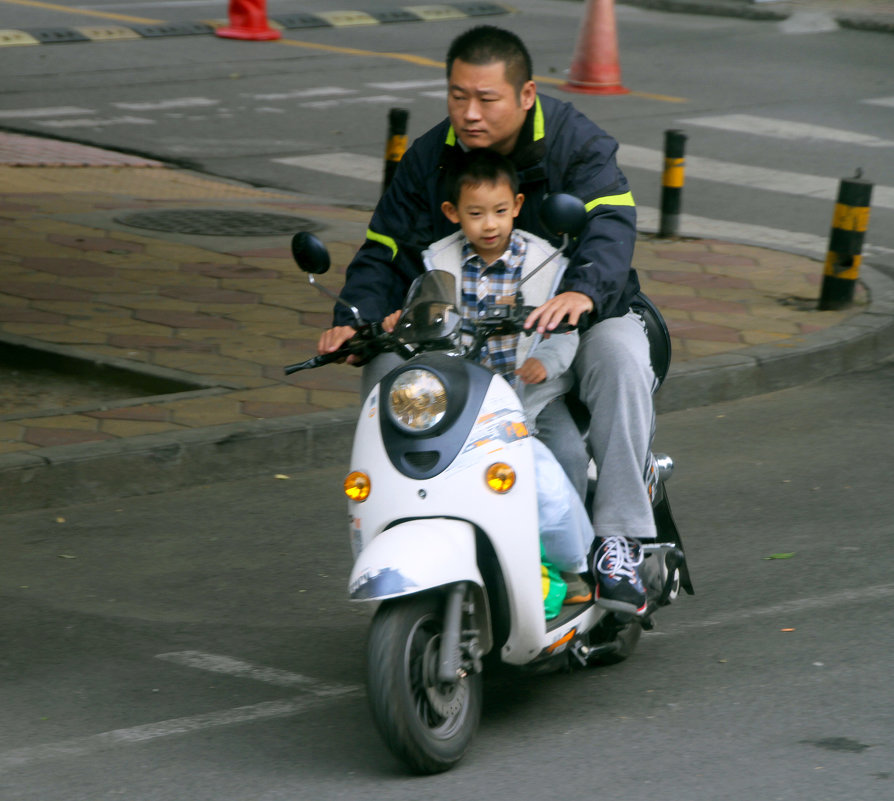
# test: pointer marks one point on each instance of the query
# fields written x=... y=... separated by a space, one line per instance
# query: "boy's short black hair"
x=476 y=167
x=485 y=44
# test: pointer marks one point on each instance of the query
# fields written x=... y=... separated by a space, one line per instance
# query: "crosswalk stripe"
x=708 y=228
x=164 y=105
x=37 y=113
x=348 y=165
x=783 y=129
x=747 y=175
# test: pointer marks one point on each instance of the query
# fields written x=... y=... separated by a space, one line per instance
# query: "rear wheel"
x=426 y=723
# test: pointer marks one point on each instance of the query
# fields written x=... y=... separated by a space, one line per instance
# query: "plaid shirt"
x=484 y=285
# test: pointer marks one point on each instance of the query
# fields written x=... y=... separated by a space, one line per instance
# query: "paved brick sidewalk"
x=229 y=311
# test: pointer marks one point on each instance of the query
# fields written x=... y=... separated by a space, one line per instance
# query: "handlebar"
x=372 y=339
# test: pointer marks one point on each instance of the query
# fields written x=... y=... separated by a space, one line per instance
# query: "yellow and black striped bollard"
x=849 y=224
x=396 y=145
x=672 y=183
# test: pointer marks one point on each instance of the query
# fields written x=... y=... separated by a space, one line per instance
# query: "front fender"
x=415 y=556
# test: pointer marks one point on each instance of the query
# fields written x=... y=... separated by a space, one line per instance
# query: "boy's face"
x=486 y=213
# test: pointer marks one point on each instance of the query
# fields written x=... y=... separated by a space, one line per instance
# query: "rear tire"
x=425 y=723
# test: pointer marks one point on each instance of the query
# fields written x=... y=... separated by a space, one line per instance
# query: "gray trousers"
x=615 y=381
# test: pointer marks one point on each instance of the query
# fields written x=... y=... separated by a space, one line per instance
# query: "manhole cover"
x=217 y=222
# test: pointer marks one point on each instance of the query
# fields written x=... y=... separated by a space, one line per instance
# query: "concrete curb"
x=61 y=476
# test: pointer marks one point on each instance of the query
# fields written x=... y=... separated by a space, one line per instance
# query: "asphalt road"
x=200 y=645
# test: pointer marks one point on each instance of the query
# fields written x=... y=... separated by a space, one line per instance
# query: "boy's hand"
x=390 y=321
x=532 y=371
x=567 y=304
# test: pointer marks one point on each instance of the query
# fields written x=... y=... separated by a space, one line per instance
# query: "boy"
x=489 y=257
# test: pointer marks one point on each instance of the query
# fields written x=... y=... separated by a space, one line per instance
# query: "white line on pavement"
x=880 y=101
x=320 y=91
x=217 y=663
x=348 y=100
x=83 y=746
x=790 y=183
x=782 y=129
x=863 y=595
x=349 y=165
x=760 y=235
x=399 y=86
x=174 y=102
x=97 y=122
x=34 y=113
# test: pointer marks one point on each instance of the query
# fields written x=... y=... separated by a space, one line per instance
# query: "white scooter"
x=444 y=523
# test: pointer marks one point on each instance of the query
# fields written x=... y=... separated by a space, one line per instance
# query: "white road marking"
x=349 y=165
x=97 y=122
x=782 y=129
x=790 y=183
x=349 y=100
x=809 y=22
x=760 y=235
x=84 y=746
x=880 y=101
x=37 y=113
x=400 y=86
x=316 y=692
x=863 y=595
x=217 y=663
x=174 y=102
x=320 y=91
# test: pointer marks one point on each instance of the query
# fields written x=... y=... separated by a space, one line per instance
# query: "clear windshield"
x=430 y=316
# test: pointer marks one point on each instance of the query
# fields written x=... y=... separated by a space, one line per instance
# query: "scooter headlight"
x=417 y=401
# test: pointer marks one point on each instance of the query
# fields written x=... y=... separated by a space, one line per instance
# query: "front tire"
x=425 y=723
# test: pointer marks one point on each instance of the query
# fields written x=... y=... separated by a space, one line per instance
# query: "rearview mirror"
x=310 y=253
x=562 y=214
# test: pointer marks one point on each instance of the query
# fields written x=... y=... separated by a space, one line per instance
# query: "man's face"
x=486 y=213
x=484 y=108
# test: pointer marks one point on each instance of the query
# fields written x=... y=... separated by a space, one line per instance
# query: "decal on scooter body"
x=386 y=582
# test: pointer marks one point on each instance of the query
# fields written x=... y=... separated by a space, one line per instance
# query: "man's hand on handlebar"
x=334 y=338
x=570 y=305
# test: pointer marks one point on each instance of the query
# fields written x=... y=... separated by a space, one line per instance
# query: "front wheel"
x=426 y=723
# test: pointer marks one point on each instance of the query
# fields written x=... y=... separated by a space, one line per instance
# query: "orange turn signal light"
x=500 y=477
x=357 y=486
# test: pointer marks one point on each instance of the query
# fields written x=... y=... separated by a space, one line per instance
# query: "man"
x=492 y=102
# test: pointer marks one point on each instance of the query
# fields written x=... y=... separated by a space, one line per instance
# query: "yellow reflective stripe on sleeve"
x=539 y=125
x=612 y=200
x=387 y=241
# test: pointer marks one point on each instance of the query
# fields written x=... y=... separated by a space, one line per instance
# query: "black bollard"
x=396 y=145
x=849 y=224
x=672 y=183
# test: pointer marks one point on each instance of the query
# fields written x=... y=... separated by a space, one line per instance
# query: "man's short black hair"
x=479 y=166
x=485 y=44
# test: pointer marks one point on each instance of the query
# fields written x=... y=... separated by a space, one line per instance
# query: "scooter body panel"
x=414 y=556
x=460 y=492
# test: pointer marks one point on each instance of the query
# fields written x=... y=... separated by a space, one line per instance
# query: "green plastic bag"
x=554 y=587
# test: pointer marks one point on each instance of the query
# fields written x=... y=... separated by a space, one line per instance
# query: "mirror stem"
x=547 y=260
x=354 y=310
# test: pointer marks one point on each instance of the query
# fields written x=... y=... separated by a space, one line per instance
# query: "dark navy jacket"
x=558 y=150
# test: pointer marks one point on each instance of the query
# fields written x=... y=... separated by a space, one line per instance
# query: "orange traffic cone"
x=248 y=20
x=594 y=66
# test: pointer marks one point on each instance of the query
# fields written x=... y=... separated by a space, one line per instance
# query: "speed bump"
x=11 y=38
